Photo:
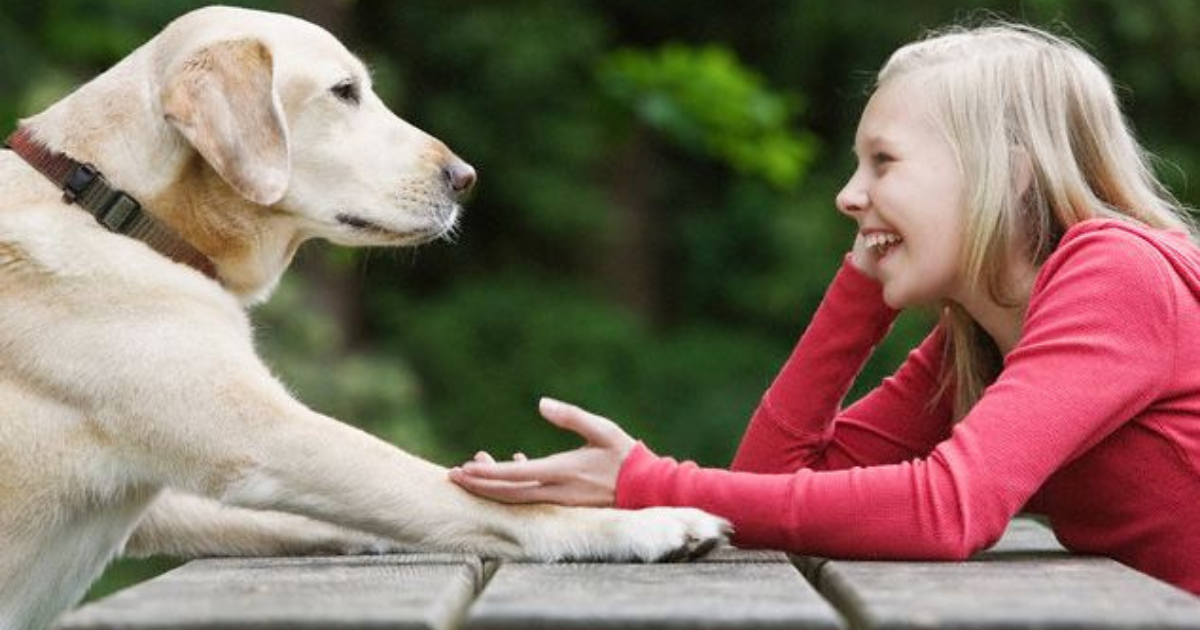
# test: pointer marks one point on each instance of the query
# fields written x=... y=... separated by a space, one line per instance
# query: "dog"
x=140 y=215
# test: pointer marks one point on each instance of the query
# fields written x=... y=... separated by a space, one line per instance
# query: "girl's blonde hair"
x=1017 y=103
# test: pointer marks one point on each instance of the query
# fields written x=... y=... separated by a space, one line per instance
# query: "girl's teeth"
x=881 y=241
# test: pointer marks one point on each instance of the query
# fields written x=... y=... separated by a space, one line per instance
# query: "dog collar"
x=86 y=186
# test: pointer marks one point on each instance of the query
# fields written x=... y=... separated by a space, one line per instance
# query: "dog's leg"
x=311 y=465
x=234 y=434
x=185 y=526
x=182 y=401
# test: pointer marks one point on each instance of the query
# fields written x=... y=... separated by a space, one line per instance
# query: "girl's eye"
x=880 y=159
x=346 y=91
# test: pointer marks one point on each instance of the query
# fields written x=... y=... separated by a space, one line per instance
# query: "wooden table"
x=1025 y=581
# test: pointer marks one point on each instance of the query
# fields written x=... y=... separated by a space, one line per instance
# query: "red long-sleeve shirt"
x=1094 y=422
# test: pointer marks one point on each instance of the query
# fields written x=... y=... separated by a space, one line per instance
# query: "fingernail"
x=550 y=404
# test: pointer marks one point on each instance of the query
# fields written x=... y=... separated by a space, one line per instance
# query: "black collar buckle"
x=78 y=181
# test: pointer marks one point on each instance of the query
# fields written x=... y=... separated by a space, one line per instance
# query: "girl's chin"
x=896 y=297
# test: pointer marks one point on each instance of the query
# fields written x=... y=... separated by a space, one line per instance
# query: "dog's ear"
x=223 y=100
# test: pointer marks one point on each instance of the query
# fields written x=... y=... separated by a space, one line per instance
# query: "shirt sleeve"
x=799 y=422
x=1044 y=409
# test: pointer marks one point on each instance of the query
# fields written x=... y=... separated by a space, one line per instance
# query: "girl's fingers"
x=861 y=259
x=527 y=491
x=595 y=429
x=484 y=457
x=505 y=491
x=531 y=470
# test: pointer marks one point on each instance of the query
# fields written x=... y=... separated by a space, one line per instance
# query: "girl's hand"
x=862 y=259
x=584 y=476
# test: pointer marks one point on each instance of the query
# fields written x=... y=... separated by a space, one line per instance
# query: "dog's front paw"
x=647 y=535
x=673 y=534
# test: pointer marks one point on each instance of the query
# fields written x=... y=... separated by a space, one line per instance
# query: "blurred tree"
x=705 y=100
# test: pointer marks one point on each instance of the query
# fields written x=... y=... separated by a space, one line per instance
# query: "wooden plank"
x=1024 y=536
x=733 y=554
x=1027 y=580
x=728 y=592
x=346 y=593
x=1075 y=592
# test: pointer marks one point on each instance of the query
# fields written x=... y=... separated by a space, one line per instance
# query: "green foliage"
x=126 y=572
x=489 y=350
x=706 y=100
x=374 y=390
x=46 y=48
x=758 y=256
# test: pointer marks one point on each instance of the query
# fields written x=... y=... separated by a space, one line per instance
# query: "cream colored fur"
x=135 y=415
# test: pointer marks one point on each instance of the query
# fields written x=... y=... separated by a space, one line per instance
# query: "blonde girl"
x=996 y=177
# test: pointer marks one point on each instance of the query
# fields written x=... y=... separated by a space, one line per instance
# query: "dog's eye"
x=347 y=91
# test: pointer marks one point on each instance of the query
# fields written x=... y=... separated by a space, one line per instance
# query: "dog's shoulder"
x=54 y=253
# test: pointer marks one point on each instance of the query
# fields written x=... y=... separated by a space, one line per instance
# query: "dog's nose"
x=459 y=176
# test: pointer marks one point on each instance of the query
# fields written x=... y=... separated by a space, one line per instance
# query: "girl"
x=997 y=178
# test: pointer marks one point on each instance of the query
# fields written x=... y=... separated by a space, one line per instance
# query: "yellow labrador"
x=138 y=216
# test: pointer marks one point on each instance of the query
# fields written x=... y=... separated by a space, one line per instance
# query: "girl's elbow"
x=966 y=542
x=953 y=551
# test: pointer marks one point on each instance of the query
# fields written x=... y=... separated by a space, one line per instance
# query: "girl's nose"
x=853 y=198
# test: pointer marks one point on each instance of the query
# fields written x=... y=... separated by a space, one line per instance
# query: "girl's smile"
x=880 y=244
